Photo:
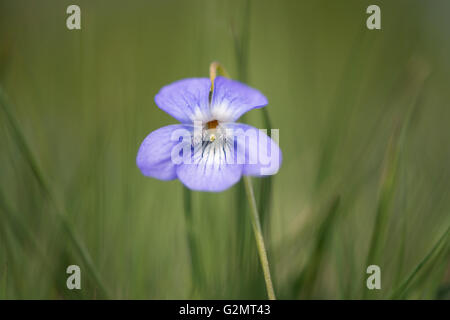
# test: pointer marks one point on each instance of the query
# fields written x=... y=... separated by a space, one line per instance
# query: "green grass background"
x=364 y=129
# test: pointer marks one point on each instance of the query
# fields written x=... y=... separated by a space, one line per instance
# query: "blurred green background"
x=364 y=129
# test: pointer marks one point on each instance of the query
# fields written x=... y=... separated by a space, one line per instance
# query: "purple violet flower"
x=208 y=151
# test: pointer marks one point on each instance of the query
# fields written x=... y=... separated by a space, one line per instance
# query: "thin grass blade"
x=305 y=282
x=402 y=289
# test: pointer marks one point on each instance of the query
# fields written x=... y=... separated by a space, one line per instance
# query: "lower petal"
x=209 y=171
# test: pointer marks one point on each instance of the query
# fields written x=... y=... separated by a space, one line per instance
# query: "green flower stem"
x=258 y=237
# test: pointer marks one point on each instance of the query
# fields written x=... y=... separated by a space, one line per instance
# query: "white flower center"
x=213 y=130
x=212 y=146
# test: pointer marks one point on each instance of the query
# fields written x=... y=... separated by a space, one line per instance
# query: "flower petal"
x=154 y=157
x=186 y=100
x=209 y=170
x=262 y=154
x=231 y=99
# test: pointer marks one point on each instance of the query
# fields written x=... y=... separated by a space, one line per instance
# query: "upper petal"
x=259 y=153
x=231 y=99
x=209 y=170
x=154 y=157
x=186 y=100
